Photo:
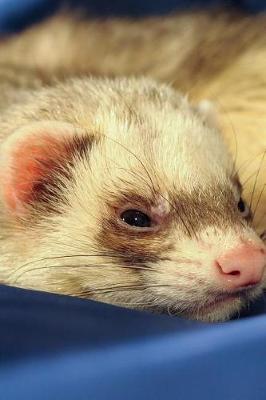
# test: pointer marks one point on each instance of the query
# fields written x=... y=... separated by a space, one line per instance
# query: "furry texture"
x=224 y=62
x=172 y=161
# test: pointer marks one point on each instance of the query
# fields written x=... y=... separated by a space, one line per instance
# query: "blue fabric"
x=16 y=14
x=57 y=347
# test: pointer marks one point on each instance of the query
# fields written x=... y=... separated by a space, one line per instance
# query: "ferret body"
x=118 y=189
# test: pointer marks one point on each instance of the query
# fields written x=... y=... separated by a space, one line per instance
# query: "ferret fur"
x=215 y=55
x=143 y=140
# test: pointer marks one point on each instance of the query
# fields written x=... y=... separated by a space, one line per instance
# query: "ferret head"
x=120 y=191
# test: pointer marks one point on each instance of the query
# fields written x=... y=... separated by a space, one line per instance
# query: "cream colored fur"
x=178 y=145
x=217 y=55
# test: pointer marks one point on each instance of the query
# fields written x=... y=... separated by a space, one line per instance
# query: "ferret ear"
x=33 y=158
x=208 y=111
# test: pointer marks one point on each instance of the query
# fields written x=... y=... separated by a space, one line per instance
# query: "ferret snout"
x=242 y=266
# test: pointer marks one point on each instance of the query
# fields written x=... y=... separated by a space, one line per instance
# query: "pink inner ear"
x=31 y=163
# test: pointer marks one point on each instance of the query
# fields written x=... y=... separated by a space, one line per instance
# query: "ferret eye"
x=136 y=218
x=243 y=208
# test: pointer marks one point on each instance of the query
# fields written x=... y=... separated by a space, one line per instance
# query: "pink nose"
x=242 y=266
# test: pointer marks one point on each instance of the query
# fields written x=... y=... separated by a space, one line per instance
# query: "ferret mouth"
x=221 y=299
x=216 y=306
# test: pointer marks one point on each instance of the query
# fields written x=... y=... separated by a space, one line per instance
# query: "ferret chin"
x=121 y=191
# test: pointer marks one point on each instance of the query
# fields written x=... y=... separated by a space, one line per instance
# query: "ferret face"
x=122 y=192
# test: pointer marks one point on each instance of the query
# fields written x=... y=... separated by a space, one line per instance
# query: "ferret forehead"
x=174 y=140
x=152 y=121
x=134 y=101
x=156 y=124
x=146 y=108
x=136 y=89
x=193 y=147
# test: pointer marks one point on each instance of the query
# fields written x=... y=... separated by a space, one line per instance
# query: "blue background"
x=57 y=347
x=15 y=14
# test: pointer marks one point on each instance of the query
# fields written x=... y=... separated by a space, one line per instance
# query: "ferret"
x=121 y=188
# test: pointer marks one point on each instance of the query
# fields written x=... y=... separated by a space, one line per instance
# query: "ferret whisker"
x=118 y=288
x=233 y=172
x=96 y=265
x=256 y=180
x=258 y=202
x=71 y=246
x=249 y=161
x=135 y=174
x=132 y=111
x=136 y=157
x=169 y=311
x=137 y=305
x=51 y=258
x=236 y=149
x=237 y=316
x=180 y=216
x=248 y=179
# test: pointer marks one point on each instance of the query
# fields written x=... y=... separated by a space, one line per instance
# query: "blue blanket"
x=56 y=347
x=16 y=14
